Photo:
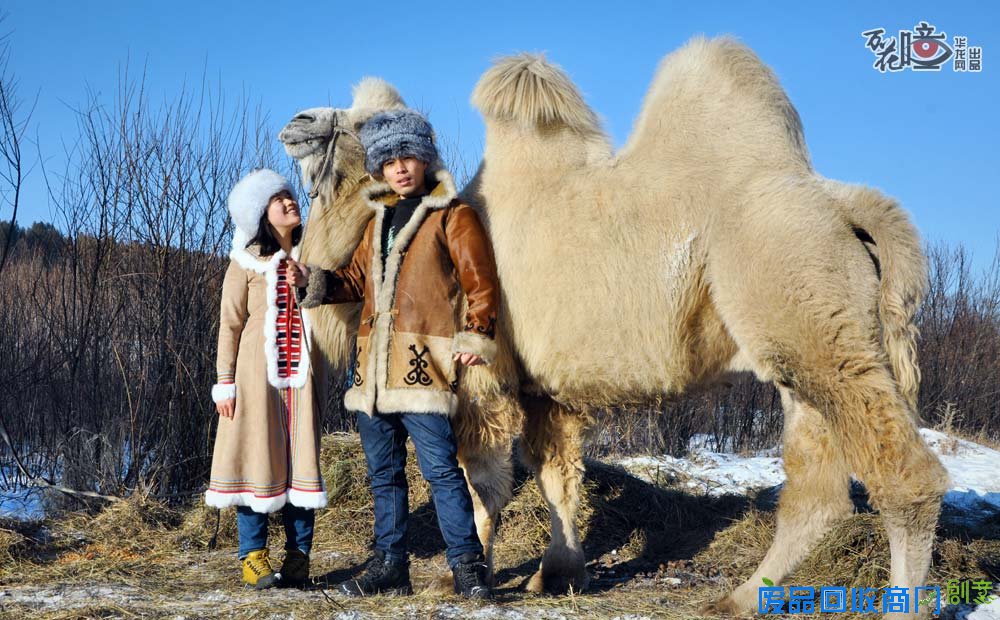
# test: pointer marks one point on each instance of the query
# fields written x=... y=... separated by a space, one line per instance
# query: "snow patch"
x=972 y=467
x=974 y=490
x=990 y=611
x=713 y=473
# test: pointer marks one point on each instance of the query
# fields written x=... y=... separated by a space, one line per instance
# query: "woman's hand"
x=469 y=359
x=297 y=273
x=226 y=408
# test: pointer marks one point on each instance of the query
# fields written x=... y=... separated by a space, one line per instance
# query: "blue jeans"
x=252 y=527
x=383 y=438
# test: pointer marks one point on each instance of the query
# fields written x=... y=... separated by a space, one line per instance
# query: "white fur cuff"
x=223 y=391
x=471 y=342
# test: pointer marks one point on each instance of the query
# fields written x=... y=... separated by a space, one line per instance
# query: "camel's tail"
x=903 y=272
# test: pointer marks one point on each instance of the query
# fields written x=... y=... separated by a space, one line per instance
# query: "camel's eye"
x=304 y=117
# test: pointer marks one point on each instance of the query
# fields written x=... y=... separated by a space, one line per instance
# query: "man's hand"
x=469 y=359
x=226 y=408
x=297 y=273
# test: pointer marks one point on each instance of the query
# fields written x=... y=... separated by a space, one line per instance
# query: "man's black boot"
x=470 y=577
x=380 y=577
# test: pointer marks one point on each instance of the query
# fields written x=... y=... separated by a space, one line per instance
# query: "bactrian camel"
x=706 y=245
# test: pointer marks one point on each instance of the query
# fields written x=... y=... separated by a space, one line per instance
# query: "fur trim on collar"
x=249 y=259
x=379 y=195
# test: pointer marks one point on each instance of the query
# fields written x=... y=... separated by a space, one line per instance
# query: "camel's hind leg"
x=905 y=480
x=816 y=495
x=876 y=434
x=551 y=446
x=804 y=311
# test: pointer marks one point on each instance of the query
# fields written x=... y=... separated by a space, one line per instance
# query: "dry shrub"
x=136 y=522
x=854 y=553
x=12 y=543
x=202 y=524
x=123 y=540
x=739 y=548
x=960 y=558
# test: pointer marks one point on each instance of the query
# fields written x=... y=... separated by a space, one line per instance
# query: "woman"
x=267 y=448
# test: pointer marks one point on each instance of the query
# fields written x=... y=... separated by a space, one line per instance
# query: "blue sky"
x=929 y=139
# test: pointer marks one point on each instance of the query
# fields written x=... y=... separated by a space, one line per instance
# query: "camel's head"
x=325 y=140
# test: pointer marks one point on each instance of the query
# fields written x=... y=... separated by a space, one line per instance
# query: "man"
x=422 y=246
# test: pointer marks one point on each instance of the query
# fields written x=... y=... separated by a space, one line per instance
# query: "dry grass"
x=641 y=540
x=12 y=542
x=855 y=553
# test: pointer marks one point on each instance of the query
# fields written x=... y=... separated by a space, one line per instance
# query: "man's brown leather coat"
x=411 y=321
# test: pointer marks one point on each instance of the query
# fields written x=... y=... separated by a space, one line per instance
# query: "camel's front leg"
x=485 y=427
x=491 y=483
x=551 y=446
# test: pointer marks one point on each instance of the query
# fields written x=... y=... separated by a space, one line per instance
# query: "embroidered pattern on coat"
x=357 y=375
x=489 y=330
x=289 y=326
x=419 y=373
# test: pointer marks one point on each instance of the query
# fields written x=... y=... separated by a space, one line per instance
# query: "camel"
x=707 y=245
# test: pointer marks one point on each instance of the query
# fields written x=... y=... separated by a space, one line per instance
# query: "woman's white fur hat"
x=250 y=197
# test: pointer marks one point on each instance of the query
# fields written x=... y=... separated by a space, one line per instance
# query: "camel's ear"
x=371 y=96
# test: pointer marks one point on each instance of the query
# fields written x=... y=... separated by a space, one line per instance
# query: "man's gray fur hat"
x=249 y=198
x=397 y=133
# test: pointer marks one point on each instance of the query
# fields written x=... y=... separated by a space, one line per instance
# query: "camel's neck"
x=336 y=222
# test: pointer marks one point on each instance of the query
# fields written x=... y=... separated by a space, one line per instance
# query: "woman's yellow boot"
x=257 y=571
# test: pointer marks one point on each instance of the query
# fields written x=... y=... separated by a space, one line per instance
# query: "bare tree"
x=115 y=339
x=12 y=128
x=13 y=125
x=960 y=342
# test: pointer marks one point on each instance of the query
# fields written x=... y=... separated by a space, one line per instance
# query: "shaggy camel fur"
x=707 y=245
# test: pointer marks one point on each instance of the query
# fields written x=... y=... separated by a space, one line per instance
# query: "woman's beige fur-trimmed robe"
x=268 y=453
x=410 y=322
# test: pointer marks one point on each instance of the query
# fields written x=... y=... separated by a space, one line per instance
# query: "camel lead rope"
x=214 y=540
